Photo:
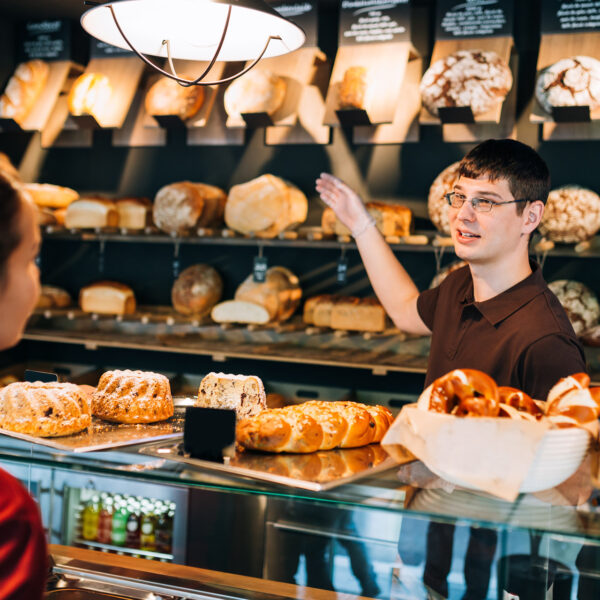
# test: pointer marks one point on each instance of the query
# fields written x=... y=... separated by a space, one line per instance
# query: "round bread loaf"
x=90 y=94
x=572 y=214
x=197 y=289
x=580 y=303
x=265 y=206
x=573 y=81
x=132 y=397
x=279 y=294
x=437 y=204
x=168 y=97
x=257 y=91
x=44 y=409
x=476 y=78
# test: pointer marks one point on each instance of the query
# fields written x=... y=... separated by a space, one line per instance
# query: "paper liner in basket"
x=488 y=454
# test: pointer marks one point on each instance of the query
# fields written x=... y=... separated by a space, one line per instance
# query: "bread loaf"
x=134 y=213
x=168 y=97
x=243 y=393
x=181 y=206
x=53 y=297
x=197 y=289
x=353 y=88
x=132 y=397
x=265 y=207
x=390 y=219
x=257 y=91
x=314 y=425
x=90 y=213
x=235 y=311
x=44 y=409
x=345 y=312
x=579 y=301
x=50 y=196
x=91 y=93
x=23 y=90
x=437 y=205
x=279 y=294
x=107 y=298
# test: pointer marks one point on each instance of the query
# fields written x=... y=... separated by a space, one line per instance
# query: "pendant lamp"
x=202 y=30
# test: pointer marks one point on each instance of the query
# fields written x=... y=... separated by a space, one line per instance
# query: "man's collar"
x=500 y=307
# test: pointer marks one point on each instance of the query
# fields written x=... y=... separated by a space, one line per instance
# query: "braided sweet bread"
x=132 y=397
x=314 y=425
x=44 y=409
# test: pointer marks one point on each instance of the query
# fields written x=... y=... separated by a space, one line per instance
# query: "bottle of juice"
x=164 y=531
x=133 y=525
x=90 y=517
x=119 y=523
x=147 y=528
x=105 y=519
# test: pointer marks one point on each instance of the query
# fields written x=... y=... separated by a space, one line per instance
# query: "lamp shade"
x=194 y=28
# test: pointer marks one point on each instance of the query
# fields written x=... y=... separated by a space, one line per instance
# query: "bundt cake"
x=132 y=397
x=44 y=409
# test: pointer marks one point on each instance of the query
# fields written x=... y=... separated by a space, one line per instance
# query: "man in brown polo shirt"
x=496 y=314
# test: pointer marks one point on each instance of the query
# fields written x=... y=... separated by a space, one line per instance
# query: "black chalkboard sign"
x=304 y=14
x=208 y=431
x=32 y=376
x=100 y=49
x=559 y=16
x=374 y=21
x=473 y=18
x=47 y=40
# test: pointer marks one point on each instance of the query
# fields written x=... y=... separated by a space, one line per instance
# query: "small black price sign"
x=259 y=272
x=100 y=49
x=374 y=21
x=47 y=40
x=559 y=16
x=342 y=270
x=31 y=376
x=474 y=18
x=304 y=14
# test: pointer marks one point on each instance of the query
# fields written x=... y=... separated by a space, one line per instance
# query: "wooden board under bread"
x=505 y=128
x=309 y=128
x=124 y=74
x=405 y=125
x=58 y=73
x=385 y=64
x=554 y=47
x=502 y=46
x=297 y=70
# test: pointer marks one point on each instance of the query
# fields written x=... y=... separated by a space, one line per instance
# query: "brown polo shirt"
x=521 y=337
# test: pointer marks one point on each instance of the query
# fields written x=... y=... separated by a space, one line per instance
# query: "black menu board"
x=304 y=14
x=374 y=21
x=473 y=18
x=47 y=40
x=100 y=49
x=567 y=17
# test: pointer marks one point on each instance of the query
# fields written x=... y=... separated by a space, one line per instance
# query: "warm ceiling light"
x=204 y=30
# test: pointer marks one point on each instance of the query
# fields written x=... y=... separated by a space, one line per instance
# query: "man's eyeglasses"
x=456 y=200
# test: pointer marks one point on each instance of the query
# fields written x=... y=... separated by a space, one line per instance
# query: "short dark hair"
x=10 y=234
x=527 y=174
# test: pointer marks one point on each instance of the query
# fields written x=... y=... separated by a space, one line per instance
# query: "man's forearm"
x=393 y=285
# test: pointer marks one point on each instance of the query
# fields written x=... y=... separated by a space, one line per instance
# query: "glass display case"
x=400 y=534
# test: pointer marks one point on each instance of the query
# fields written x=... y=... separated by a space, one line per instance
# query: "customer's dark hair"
x=527 y=174
x=10 y=235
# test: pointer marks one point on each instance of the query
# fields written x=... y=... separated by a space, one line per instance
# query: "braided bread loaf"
x=44 y=409
x=132 y=397
x=314 y=425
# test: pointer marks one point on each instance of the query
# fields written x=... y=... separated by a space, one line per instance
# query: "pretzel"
x=572 y=402
x=465 y=392
x=518 y=400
